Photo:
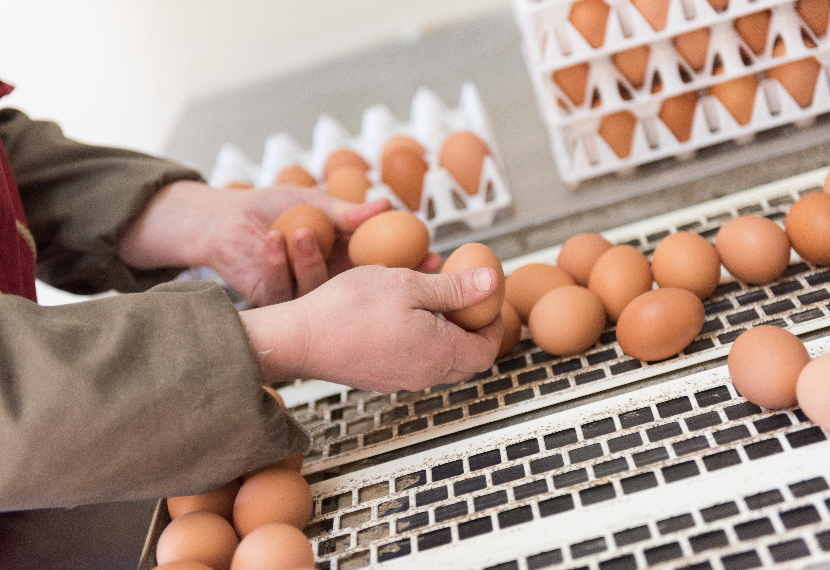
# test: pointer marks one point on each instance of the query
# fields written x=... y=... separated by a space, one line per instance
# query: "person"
x=158 y=391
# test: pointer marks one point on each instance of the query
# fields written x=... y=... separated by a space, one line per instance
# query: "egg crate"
x=551 y=43
x=349 y=427
x=685 y=473
x=443 y=202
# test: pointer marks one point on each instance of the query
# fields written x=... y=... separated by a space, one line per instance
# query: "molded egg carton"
x=552 y=43
x=443 y=202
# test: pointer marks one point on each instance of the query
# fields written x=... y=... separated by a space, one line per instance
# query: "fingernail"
x=482 y=280
x=307 y=244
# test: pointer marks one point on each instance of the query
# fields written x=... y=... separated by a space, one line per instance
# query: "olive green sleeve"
x=130 y=397
x=78 y=199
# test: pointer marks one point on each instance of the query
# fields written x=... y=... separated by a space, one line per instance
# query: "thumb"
x=451 y=291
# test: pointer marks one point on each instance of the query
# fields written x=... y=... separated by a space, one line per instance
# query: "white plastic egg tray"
x=443 y=202
x=551 y=43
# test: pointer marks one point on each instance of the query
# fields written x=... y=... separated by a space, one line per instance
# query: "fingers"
x=476 y=351
x=431 y=263
x=452 y=291
x=310 y=269
x=277 y=286
x=347 y=217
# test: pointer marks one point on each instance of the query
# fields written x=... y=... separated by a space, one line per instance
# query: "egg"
x=764 y=363
x=274 y=495
x=753 y=249
x=403 y=171
x=590 y=18
x=754 y=29
x=814 y=13
x=808 y=226
x=469 y=256
x=198 y=536
x=678 y=114
x=719 y=5
x=530 y=282
x=238 y=185
x=274 y=546
x=579 y=254
x=660 y=323
x=309 y=217
x=826 y=187
x=348 y=183
x=219 y=501
x=688 y=261
x=799 y=78
x=344 y=157
x=617 y=129
x=632 y=64
x=693 y=47
x=393 y=239
x=512 y=329
x=567 y=320
x=402 y=141
x=295 y=175
x=572 y=81
x=462 y=154
x=654 y=11
x=621 y=274
x=813 y=390
x=737 y=96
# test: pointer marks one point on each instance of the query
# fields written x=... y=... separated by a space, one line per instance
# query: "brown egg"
x=392 y=239
x=693 y=47
x=512 y=329
x=815 y=13
x=567 y=320
x=310 y=217
x=753 y=249
x=403 y=171
x=799 y=78
x=182 y=565
x=219 y=501
x=295 y=175
x=813 y=390
x=660 y=323
x=764 y=363
x=719 y=5
x=198 y=536
x=654 y=11
x=590 y=18
x=678 y=114
x=633 y=63
x=348 y=183
x=572 y=81
x=754 y=29
x=239 y=185
x=462 y=154
x=273 y=495
x=808 y=227
x=402 y=141
x=617 y=129
x=688 y=261
x=737 y=96
x=531 y=282
x=274 y=546
x=619 y=276
x=579 y=254
x=469 y=256
x=344 y=157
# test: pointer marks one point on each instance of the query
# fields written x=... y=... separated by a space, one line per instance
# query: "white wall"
x=119 y=71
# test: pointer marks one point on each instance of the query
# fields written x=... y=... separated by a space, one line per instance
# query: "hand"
x=190 y=224
x=374 y=328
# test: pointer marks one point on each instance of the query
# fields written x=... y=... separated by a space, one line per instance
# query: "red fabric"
x=17 y=262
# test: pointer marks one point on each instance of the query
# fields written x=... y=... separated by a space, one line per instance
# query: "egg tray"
x=596 y=460
x=351 y=426
x=550 y=43
x=443 y=202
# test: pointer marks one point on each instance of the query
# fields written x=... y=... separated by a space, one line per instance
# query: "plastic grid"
x=551 y=43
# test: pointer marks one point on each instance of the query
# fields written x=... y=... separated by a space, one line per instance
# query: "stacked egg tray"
x=595 y=461
x=551 y=43
x=443 y=202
